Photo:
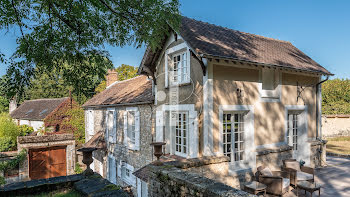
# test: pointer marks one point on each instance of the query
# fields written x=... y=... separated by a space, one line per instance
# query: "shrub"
x=8 y=130
x=336 y=96
x=76 y=123
x=2 y=180
x=78 y=169
x=25 y=130
x=7 y=144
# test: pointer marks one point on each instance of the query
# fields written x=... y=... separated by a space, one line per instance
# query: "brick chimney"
x=112 y=76
x=12 y=105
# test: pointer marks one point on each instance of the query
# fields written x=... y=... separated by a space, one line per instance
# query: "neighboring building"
x=219 y=92
x=34 y=112
x=118 y=122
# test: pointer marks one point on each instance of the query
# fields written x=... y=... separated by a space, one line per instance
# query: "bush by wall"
x=7 y=144
x=336 y=96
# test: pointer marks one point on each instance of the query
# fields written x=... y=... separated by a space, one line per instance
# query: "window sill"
x=179 y=85
x=270 y=99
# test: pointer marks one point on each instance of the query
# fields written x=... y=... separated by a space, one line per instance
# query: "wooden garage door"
x=47 y=162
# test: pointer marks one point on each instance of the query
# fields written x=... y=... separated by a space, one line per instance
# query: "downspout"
x=318 y=109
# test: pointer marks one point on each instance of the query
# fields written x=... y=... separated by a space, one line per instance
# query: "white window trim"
x=139 y=188
x=171 y=51
x=187 y=133
x=114 y=132
x=193 y=138
x=90 y=126
x=111 y=179
x=270 y=95
x=132 y=179
x=249 y=153
x=135 y=146
x=303 y=151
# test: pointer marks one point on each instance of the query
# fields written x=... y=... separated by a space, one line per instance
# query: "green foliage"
x=4 y=104
x=77 y=124
x=336 y=96
x=8 y=128
x=58 y=33
x=78 y=169
x=7 y=144
x=2 y=180
x=126 y=72
x=13 y=163
x=25 y=130
x=102 y=86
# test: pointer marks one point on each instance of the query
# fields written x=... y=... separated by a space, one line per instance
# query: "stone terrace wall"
x=335 y=125
x=172 y=179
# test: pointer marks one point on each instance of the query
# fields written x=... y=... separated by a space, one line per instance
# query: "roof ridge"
x=119 y=82
x=269 y=38
x=40 y=99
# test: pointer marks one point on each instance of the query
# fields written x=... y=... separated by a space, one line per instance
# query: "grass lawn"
x=339 y=145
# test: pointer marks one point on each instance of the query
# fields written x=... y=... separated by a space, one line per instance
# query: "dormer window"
x=177 y=65
x=179 y=68
x=270 y=84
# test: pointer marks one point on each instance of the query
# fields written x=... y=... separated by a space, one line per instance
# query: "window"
x=179 y=68
x=111 y=126
x=270 y=79
x=181 y=128
x=233 y=135
x=292 y=130
x=132 y=128
x=126 y=174
x=90 y=123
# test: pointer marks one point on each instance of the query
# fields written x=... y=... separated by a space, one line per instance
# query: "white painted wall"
x=36 y=124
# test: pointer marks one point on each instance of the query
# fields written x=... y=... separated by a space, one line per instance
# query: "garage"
x=47 y=162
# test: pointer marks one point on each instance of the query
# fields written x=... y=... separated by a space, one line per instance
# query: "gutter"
x=319 y=109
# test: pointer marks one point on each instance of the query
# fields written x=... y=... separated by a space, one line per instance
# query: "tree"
x=53 y=34
x=126 y=72
x=336 y=96
x=8 y=132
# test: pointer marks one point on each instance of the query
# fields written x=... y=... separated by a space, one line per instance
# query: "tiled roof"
x=97 y=141
x=215 y=41
x=37 y=109
x=135 y=90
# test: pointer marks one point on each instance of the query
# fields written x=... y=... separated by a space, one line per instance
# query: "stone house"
x=35 y=113
x=221 y=92
x=119 y=124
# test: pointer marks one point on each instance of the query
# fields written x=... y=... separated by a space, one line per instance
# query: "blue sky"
x=319 y=28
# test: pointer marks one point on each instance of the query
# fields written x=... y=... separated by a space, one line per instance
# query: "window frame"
x=271 y=95
x=169 y=53
x=184 y=138
x=111 y=138
x=249 y=155
x=131 y=179
x=132 y=145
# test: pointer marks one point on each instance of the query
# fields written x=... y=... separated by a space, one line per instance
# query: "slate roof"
x=37 y=109
x=215 y=41
x=135 y=90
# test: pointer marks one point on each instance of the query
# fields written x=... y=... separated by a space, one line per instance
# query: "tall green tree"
x=57 y=33
x=336 y=96
x=126 y=72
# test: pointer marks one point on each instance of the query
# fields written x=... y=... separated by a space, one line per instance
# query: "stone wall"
x=335 y=125
x=34 y=142
x=272 y=157
x=318 y=154
x=168 y=180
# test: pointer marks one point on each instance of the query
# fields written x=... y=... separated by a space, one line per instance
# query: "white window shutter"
x=193 y=141
x=166 y=71
x=119 y=171
x=137 y=130
x=290 y=133
x=159 y=126
x=115 y=127
x=126 y=128
x=139 y=187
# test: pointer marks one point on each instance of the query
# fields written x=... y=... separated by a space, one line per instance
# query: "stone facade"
x=35 y=142
x=135 y=158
